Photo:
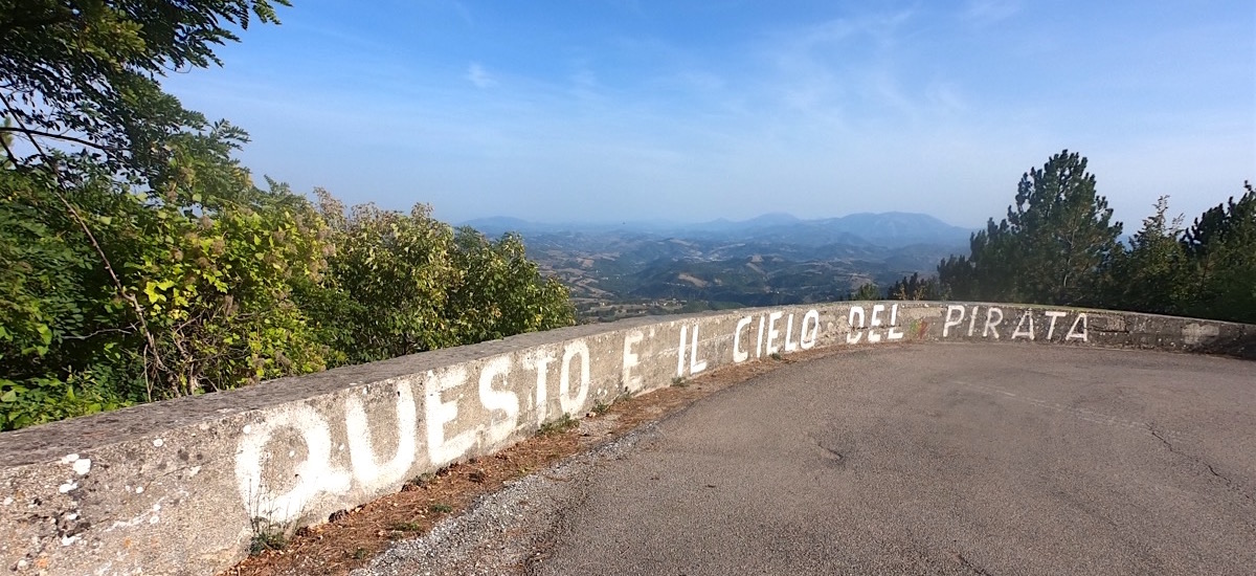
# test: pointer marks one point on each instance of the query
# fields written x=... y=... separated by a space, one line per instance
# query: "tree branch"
x=34 y=22
x=32 y=133
x=100 y=251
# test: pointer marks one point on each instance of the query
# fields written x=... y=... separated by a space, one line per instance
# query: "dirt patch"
x=690 y=278
x=351 y=538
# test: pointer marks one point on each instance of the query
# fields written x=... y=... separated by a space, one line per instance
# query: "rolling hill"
x=624 y=269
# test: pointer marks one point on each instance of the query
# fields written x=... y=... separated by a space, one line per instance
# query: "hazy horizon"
x=680 y=222
x=695 y=111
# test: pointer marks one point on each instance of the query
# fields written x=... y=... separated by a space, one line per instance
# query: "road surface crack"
x=972 y=567
x=1229 y=484
x=829 y=453
x=837 y=455
x=1162 y=439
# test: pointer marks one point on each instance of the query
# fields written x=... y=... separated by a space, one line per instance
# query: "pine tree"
x=1056 y=245
x=1152 y=277
x=866 y=291
x=916 y=288
x=1221 y=247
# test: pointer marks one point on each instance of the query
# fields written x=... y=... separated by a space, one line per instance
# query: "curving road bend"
x=917 y=459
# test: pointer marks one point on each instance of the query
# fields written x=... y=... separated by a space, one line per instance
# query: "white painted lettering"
x=773 y=333
x=992 y=325
x=680 y=350
x=695 y=365
x=807 y=339
x=500 y=401
x=1054 y=315
x=758 y=350
x=789 y=329
x=1021 y=330
x=1074 y=333
x=440 y=449
x=856 y=311
x=573 y=405
x=366 y=470
x=894 y=333
x=539 y=361
x=854 y=335
x=738 y=355
x=972 y=320
x=313 y=476
x=628 y=378
x=873 y=335
x=952 y=319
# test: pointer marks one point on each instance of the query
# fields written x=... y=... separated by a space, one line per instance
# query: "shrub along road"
x=938 y=459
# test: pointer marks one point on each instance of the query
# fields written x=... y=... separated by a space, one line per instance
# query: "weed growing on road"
x=266 y=537
x=558 y=426
x=421 y=480
x=439 y=508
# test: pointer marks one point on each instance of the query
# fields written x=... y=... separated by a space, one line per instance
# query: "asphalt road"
x=928 y=459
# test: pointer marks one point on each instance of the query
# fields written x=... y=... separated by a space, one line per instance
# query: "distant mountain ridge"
x=630 y=268
x=885 y=229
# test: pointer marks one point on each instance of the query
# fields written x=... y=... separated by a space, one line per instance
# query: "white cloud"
x=477 y=75
x=871 y=112
x=983 y=12
x=857 y=73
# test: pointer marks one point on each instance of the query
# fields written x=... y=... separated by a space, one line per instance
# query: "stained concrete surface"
x=917 y=459
x=76 y=495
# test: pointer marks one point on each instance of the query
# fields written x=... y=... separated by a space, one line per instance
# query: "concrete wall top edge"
x=1092 y=310
x=50 y=441
x=55 y=439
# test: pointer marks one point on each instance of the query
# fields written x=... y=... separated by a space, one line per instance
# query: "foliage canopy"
x=139 y=260
x=1059 y=245
x=81 y=76
x=1054 y=246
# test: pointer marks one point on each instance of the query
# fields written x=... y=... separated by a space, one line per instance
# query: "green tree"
x=405 y=283
x=389 y=276
x=50 y=308
x=1152 y=276
x=102 y=173
x=989 y=272
x=866 y=291
x=500 y=291
x=139 y=261
x=209 y=284
x=1221 y=247
x=916 y=288
x=1056 y=245
x=82 y=75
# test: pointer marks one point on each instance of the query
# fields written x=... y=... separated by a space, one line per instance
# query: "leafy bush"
x=215 y=284
x=404 y=283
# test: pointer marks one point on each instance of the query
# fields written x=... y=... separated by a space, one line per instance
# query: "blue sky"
x=603 y=110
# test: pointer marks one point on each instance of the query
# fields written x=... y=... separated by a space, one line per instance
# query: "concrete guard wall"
x=180 y=487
